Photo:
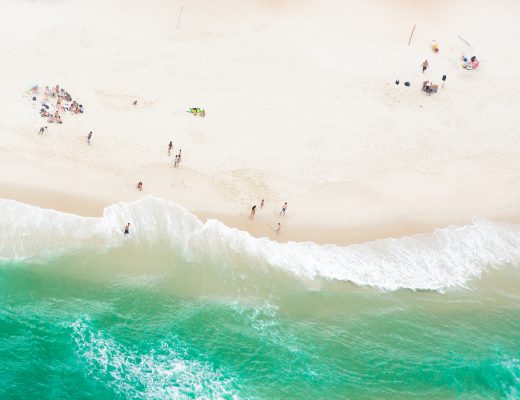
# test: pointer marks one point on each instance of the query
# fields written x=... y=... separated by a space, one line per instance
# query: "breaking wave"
x=444 y=259
x=166 y=372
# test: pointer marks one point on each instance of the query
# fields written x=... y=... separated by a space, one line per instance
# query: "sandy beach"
x=300 y=102
x=396 y=270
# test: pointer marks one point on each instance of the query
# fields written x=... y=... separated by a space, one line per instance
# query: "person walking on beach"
x=284 y=208
x=262 y=204
x=89 y=137
x=179 y=157
x=176 y=161
x=170 y=147
x=425 y=65
x=277 y=229
x=140 y=186
x=253 y=211
x=126 y=229
x=443 y=80
x=42 y=130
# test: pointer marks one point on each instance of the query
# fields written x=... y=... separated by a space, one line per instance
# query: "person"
x=179 y=157
x=127 y=229
x=42 y=129
x=427 y=86
x=277 y=229
x=135 y=102
x=425 y=66
x=443 y=80
x=262 y=204
x=176 y=161
x=140 y=186
x=284 y=208
x=253 y=211
x=170 y=147
x=89 y=137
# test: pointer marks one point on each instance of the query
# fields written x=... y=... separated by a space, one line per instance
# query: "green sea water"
x=141 y=323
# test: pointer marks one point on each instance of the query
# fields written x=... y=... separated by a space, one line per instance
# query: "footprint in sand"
x=122 y=102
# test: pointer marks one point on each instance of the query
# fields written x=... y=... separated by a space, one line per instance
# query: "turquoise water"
x=185 y=310
x=81 y=327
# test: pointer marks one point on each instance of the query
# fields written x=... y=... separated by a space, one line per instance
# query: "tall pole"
x=180 y=15
x=411 y=34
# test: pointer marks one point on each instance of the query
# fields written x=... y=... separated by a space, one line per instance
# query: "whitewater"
x=447 y=258
x=181 y=308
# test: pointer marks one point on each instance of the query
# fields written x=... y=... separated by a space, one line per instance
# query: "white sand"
x=301 y=107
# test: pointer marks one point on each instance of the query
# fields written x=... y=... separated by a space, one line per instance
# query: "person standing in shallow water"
x=126 y=230
x=277 y=229
x=170 y=147
x=140 y=186
x=253 y=211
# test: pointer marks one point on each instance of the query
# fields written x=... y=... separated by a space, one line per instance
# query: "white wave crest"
x=446 y=258
x=163 y=373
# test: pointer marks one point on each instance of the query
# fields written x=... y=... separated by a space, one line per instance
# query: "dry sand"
x=301 y=107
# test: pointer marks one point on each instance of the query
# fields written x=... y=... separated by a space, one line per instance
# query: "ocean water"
x=185 y=310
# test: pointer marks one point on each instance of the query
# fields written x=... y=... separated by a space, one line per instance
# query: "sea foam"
x=166 y=372
x=444 y=259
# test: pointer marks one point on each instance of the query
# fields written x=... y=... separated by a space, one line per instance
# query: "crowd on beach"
x=429 y=87
x=57 y=100
x=177 y=158
x=54 y=102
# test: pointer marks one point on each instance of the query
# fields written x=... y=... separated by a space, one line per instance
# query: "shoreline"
x=294 y=113
x=260 y=227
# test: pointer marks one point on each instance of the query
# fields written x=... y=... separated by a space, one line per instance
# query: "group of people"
x=429 y=87
x=177 y=158
x=54 y=101
x=471 y=63
x=282 y=213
